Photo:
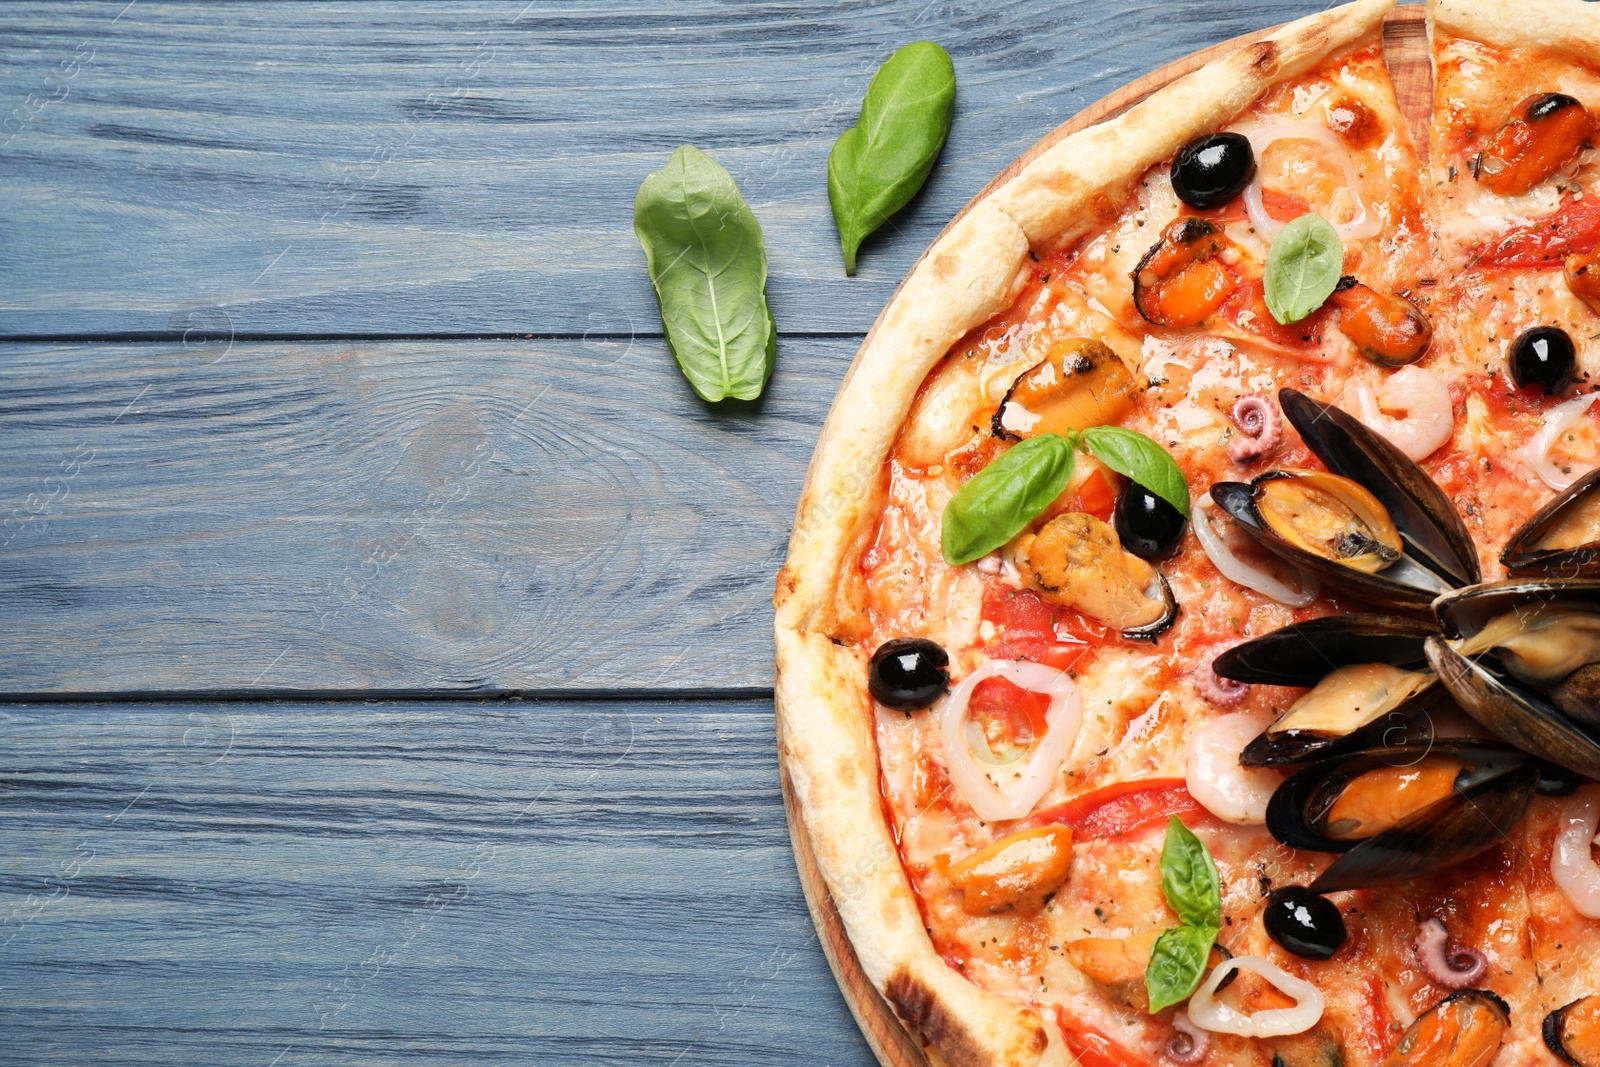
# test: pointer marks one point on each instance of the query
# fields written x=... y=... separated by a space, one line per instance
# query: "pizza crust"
x=1083 y=179
x=825 y=723
x=1571 y=26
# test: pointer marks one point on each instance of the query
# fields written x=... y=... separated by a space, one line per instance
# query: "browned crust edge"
x=1570 y=26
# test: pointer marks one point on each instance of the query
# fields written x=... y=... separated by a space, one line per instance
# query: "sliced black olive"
x=1543 y=356
x=908 y=673
x=1303 y=922
x=1147 y=525
x=1209 y=171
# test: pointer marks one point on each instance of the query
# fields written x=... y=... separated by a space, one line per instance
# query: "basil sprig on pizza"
x=1187 y=648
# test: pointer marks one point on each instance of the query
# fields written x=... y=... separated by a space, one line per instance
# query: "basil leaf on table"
x=878 y=164
x=1139 y=459
x=1303 y=266
x=703 y=247
x=1189 y=877
x=1000 y=500
x=1177 y=963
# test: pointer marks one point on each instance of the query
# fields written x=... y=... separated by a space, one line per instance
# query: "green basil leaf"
x=1134 y=456
x=1303 y=266
x=1189 y=877
x=878 y=164
x=703 y=247
x=1000 y=500
x=1177 y=963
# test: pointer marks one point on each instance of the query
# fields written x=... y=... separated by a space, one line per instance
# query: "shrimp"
x=1215 y=778
x=1572 y=863
x=1426 y=414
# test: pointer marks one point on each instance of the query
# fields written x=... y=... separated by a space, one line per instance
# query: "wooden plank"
x=458 y=882
x=311 y=169
x=476 y=516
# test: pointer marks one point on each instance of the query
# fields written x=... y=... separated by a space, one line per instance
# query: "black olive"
x=1148 y=526
x=1543 y=356
x=908 y=673
x=1210 y=171
x=1303 y=922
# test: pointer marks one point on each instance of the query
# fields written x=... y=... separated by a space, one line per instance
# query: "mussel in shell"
x=1464 y=1029
x=1077 y=561
x=1332 y=527
x=1435 y=536
x=1375 y=525
x=1526 y=665
x=1363 y=670
x=1573 y=1032
x=1563 y=538
x=1402 y=811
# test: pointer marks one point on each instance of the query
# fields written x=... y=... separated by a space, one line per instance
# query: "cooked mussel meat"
x=1076 y=561
x=1388 y=329
x=1563 y=538
x=1186 y=275
x=1398 y=812
x=1079 y=383
x=1464 y=1029
x=1573 y=1032
x=1545 y=133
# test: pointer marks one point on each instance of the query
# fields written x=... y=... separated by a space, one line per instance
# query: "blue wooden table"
x=384 y=625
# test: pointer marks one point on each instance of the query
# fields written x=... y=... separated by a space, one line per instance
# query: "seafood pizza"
x=1189 y=644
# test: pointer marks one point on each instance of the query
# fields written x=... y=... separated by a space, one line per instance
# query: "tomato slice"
x=1247 y=310
x=1093 y=1049
x=1008 y=714
x=1095 y=497
x=1124 y=807
x=1018 y=612
x=1284 y=207
x=1035 y=631
x=1546 y=244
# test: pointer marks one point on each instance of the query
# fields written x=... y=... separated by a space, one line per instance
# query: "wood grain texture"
x=428 y=517
x=314 y=168
x=457 y=883
x=1407 y=53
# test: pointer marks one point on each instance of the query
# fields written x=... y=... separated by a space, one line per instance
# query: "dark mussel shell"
x=1435 y=535
x=1527 y=551
x=1466 y=613
x=1572 y=1032
x=1302 y=653
x=1239 y=500
x=1489 y=797
x=1515 y=712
